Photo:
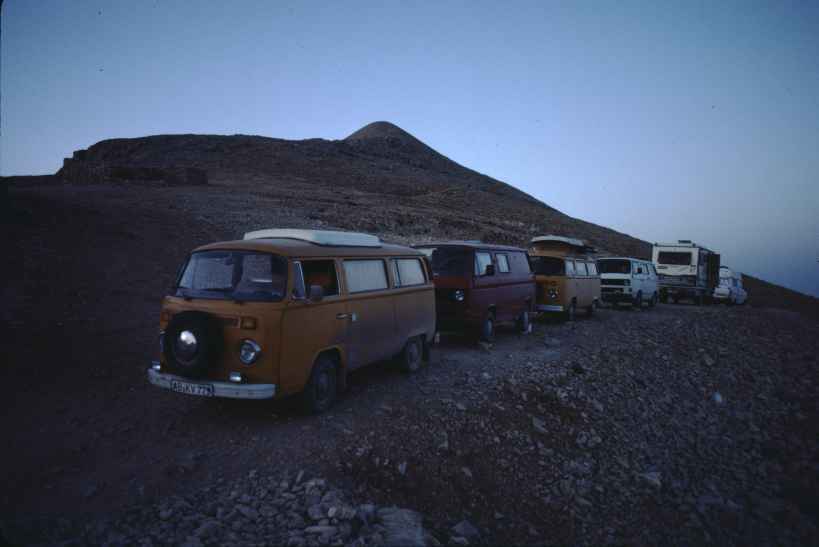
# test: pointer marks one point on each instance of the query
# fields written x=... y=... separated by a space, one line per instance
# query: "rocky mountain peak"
x=381 y=130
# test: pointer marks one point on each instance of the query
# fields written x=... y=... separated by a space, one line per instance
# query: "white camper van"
x=730 y=289
x=628 y=280
x=686 y=270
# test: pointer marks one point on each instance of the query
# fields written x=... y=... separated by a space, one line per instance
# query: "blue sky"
x=676 y=120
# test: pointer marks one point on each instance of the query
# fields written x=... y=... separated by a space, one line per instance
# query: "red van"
x=479 y=285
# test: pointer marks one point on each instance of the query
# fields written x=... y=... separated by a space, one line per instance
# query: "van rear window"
x=547 y=265
x=674 y=258
x=449 y=261
x=409 y=272
x=233 y=275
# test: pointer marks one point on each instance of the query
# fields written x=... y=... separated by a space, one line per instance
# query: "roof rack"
x=318 y=237
x=552 y=241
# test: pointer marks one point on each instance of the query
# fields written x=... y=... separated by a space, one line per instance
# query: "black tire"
x=571 y=313
x=653 y=302
x=638 y=300
x=192 y=360
x=590 y=309
x=488 y=329
x=322 y=387
x=412 y=356
x=698 y=300
x=524 y=321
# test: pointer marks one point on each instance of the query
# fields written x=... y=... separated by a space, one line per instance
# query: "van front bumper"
x=548 y=307
x=228 y=390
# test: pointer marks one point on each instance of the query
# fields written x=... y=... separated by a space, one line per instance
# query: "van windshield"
x=449 y=261
x=233 y=275
x=674 y=258
x=614 y=266
x=547 y=265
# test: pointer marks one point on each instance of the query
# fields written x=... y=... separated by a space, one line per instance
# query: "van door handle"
x=342 y=316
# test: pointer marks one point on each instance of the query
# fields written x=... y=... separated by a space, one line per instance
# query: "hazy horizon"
x=682 y=121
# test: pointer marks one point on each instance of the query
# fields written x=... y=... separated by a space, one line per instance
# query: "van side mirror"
x=490 y=269
x=316 y=293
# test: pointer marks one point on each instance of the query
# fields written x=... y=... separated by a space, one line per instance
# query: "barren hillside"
x=380 y=178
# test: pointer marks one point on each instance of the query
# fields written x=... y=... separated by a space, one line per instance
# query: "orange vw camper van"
x=566 y=275
x=292 y=311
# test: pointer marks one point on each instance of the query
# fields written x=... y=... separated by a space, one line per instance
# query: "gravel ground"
x=673 y=425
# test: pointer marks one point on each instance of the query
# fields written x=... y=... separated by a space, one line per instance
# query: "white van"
x=628 y=280
x=730 y=289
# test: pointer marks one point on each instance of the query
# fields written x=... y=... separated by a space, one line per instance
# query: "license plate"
x=203 y=390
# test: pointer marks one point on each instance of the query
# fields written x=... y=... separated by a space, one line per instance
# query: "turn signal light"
x=249 y=323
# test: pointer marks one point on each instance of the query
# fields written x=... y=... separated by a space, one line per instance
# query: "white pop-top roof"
x=567 y=240
x=318 y=237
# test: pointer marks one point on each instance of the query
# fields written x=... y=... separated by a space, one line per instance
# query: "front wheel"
x=571 y=313
x=413 y=355
x=638 y=300
x=320 y=393
x=653 y=301
x=488 y=329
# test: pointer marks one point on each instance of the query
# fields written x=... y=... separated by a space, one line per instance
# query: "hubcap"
x=322 y=387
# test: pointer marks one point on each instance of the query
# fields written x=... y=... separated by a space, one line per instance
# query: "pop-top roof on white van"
x=318 y=237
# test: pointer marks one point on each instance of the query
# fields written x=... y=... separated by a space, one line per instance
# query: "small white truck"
x=686 y=270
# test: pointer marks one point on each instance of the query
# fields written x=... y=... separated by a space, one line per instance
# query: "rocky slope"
x=380 y=172
x=675 y=425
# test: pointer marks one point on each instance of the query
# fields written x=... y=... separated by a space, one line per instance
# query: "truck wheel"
x=590 y=309
x=571 y=313
x=320 y=392
x=698 y=300
x=638 y=300
x=524 y=322
x=488 y=329
x=412 y=357
x=653 y=301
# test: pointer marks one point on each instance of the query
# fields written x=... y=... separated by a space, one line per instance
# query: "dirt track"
x=677 y=424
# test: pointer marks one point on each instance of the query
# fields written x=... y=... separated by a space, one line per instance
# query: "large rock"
x=403 y=527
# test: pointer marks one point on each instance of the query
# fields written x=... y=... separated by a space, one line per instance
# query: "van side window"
x=638 y=269
x=503 y=263
x=592 y=268
x=322 y=273
x=581 y=268
x=365 y=275
x=482 y=260
x=570 y=267
x=409 y=272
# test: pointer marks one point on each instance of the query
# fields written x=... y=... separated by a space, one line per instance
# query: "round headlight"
x=186 y=345
x=458 y=295
x=249 y=351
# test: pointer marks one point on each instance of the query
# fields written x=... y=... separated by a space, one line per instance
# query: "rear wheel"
x=524 y=322
x=488 y=329
x=320 y=393
x=590 y=309
x=653 y=301
x=412 y=358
